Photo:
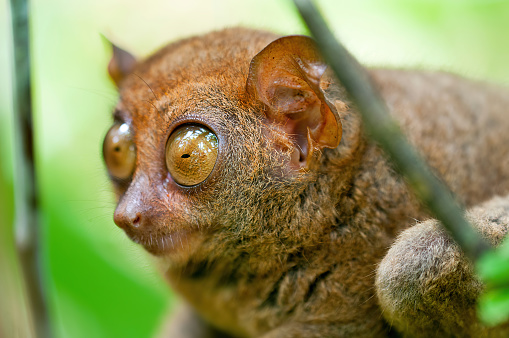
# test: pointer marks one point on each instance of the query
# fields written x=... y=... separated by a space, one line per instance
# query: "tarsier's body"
x=284 y=237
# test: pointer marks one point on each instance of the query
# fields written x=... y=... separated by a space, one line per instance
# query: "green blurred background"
x=97 y=282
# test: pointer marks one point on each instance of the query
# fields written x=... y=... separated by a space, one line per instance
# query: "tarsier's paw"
x=426 y=286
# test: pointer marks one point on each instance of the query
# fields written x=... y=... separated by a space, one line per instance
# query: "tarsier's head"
x=220 y=139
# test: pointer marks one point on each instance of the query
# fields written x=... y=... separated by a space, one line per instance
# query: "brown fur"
x=279 y=252
x=428 y=288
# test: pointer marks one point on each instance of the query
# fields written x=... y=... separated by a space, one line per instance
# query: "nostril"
x=137 y=220
x=126 y=220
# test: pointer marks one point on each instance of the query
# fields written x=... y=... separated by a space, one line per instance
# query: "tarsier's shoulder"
x=458 y=124
x=429 y=101
x=438 y=86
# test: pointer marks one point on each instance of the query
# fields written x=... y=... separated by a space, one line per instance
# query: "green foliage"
x=493 y=268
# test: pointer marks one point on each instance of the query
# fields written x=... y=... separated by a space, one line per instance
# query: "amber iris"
x=119 y=151
x=191 y=154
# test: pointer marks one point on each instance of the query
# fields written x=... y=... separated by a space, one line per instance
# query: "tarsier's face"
x=190 y=157
x=170 y=166
x=213 y=145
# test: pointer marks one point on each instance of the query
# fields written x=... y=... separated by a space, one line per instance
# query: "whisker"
x=153 y=105
x=147 y=86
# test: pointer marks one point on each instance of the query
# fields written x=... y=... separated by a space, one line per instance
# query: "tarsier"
x=239 y=161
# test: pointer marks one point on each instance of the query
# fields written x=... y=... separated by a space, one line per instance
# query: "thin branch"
x=26 y=192
x=386 y=132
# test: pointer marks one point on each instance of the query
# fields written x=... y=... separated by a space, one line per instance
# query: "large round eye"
x=119 y=152
x=191 y=153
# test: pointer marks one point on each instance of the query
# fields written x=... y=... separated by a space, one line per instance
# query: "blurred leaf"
x=493 y=268
x=494 y=306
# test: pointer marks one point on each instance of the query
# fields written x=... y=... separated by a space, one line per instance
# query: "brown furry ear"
x=121 y=64
x=285 y=76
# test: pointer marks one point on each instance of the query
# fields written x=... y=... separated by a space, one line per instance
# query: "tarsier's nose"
x=127 y=220
x=133 y=210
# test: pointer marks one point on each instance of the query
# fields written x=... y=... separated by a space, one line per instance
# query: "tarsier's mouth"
x=164 y=243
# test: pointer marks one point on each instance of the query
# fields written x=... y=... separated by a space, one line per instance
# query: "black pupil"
x=185 y=156
x=117 y=148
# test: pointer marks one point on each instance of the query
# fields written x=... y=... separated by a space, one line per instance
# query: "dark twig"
x=382 y=129
x=26 y=192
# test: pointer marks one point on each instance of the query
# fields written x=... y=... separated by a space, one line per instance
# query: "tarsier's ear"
x=121 y=64
x=285 y=76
